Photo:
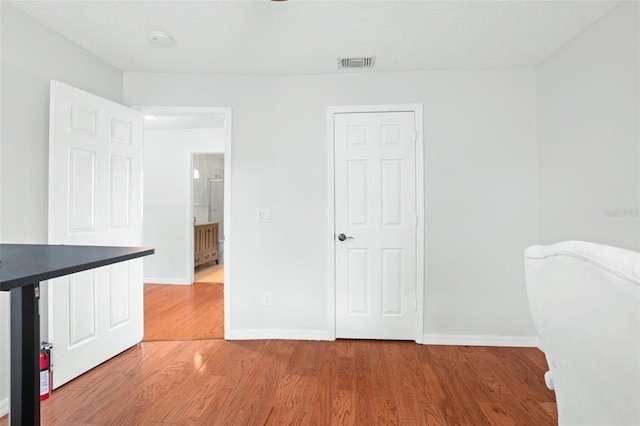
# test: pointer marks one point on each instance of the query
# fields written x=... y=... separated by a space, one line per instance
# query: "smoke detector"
x=160 y=38
x=364 y=62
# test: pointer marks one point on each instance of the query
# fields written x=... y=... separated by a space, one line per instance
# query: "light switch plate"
x=264 y=215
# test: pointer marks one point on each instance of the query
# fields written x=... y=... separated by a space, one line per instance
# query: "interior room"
x=526 y=130
x=188 y=199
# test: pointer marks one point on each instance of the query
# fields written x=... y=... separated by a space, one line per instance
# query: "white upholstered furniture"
x=585 y=303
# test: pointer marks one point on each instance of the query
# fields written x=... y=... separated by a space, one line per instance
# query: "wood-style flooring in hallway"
x=209 y=273
x=183 y=312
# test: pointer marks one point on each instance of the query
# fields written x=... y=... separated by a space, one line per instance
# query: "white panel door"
x=95 y=198
x=375 y=210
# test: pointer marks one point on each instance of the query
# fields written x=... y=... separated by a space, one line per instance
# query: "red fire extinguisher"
x=46 y=370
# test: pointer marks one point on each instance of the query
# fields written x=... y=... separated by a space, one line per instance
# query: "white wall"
x=480 y=184
x=167 y=214
x=588 y=134
x=32 y=56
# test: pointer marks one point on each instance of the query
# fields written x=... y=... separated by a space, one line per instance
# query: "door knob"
x=343 y=237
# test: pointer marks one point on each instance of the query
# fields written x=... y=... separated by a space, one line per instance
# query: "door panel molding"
x=390 y=136
x=95 y=198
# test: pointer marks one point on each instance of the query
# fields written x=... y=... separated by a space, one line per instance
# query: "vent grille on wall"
x=367 y=62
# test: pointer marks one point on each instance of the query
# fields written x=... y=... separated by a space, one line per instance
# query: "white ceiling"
x=305 y=36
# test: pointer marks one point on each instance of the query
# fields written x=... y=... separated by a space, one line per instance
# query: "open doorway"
x=208 y=218
x=174 y=136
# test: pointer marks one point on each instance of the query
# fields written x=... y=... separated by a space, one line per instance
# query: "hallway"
x=183 y=312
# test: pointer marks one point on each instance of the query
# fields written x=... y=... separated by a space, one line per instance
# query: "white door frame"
x=226 y=113
x=331 y=287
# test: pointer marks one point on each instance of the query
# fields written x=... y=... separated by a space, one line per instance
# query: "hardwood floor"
x=274 y=382
x=209 y=273
x=180 y=312
x=346 y=382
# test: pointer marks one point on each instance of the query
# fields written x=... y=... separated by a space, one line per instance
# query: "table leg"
x=25 y=356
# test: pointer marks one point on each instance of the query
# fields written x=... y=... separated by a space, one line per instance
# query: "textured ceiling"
x=305 y=36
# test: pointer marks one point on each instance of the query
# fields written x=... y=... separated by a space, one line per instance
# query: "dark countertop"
x=24 y=264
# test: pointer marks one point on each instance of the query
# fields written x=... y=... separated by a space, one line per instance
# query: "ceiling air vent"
x=367 y=62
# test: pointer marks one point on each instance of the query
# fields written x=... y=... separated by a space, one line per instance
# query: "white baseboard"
x=478 y=340
x=166 y=281
x=428 y=339
x=278 y=334
x=4 y=407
